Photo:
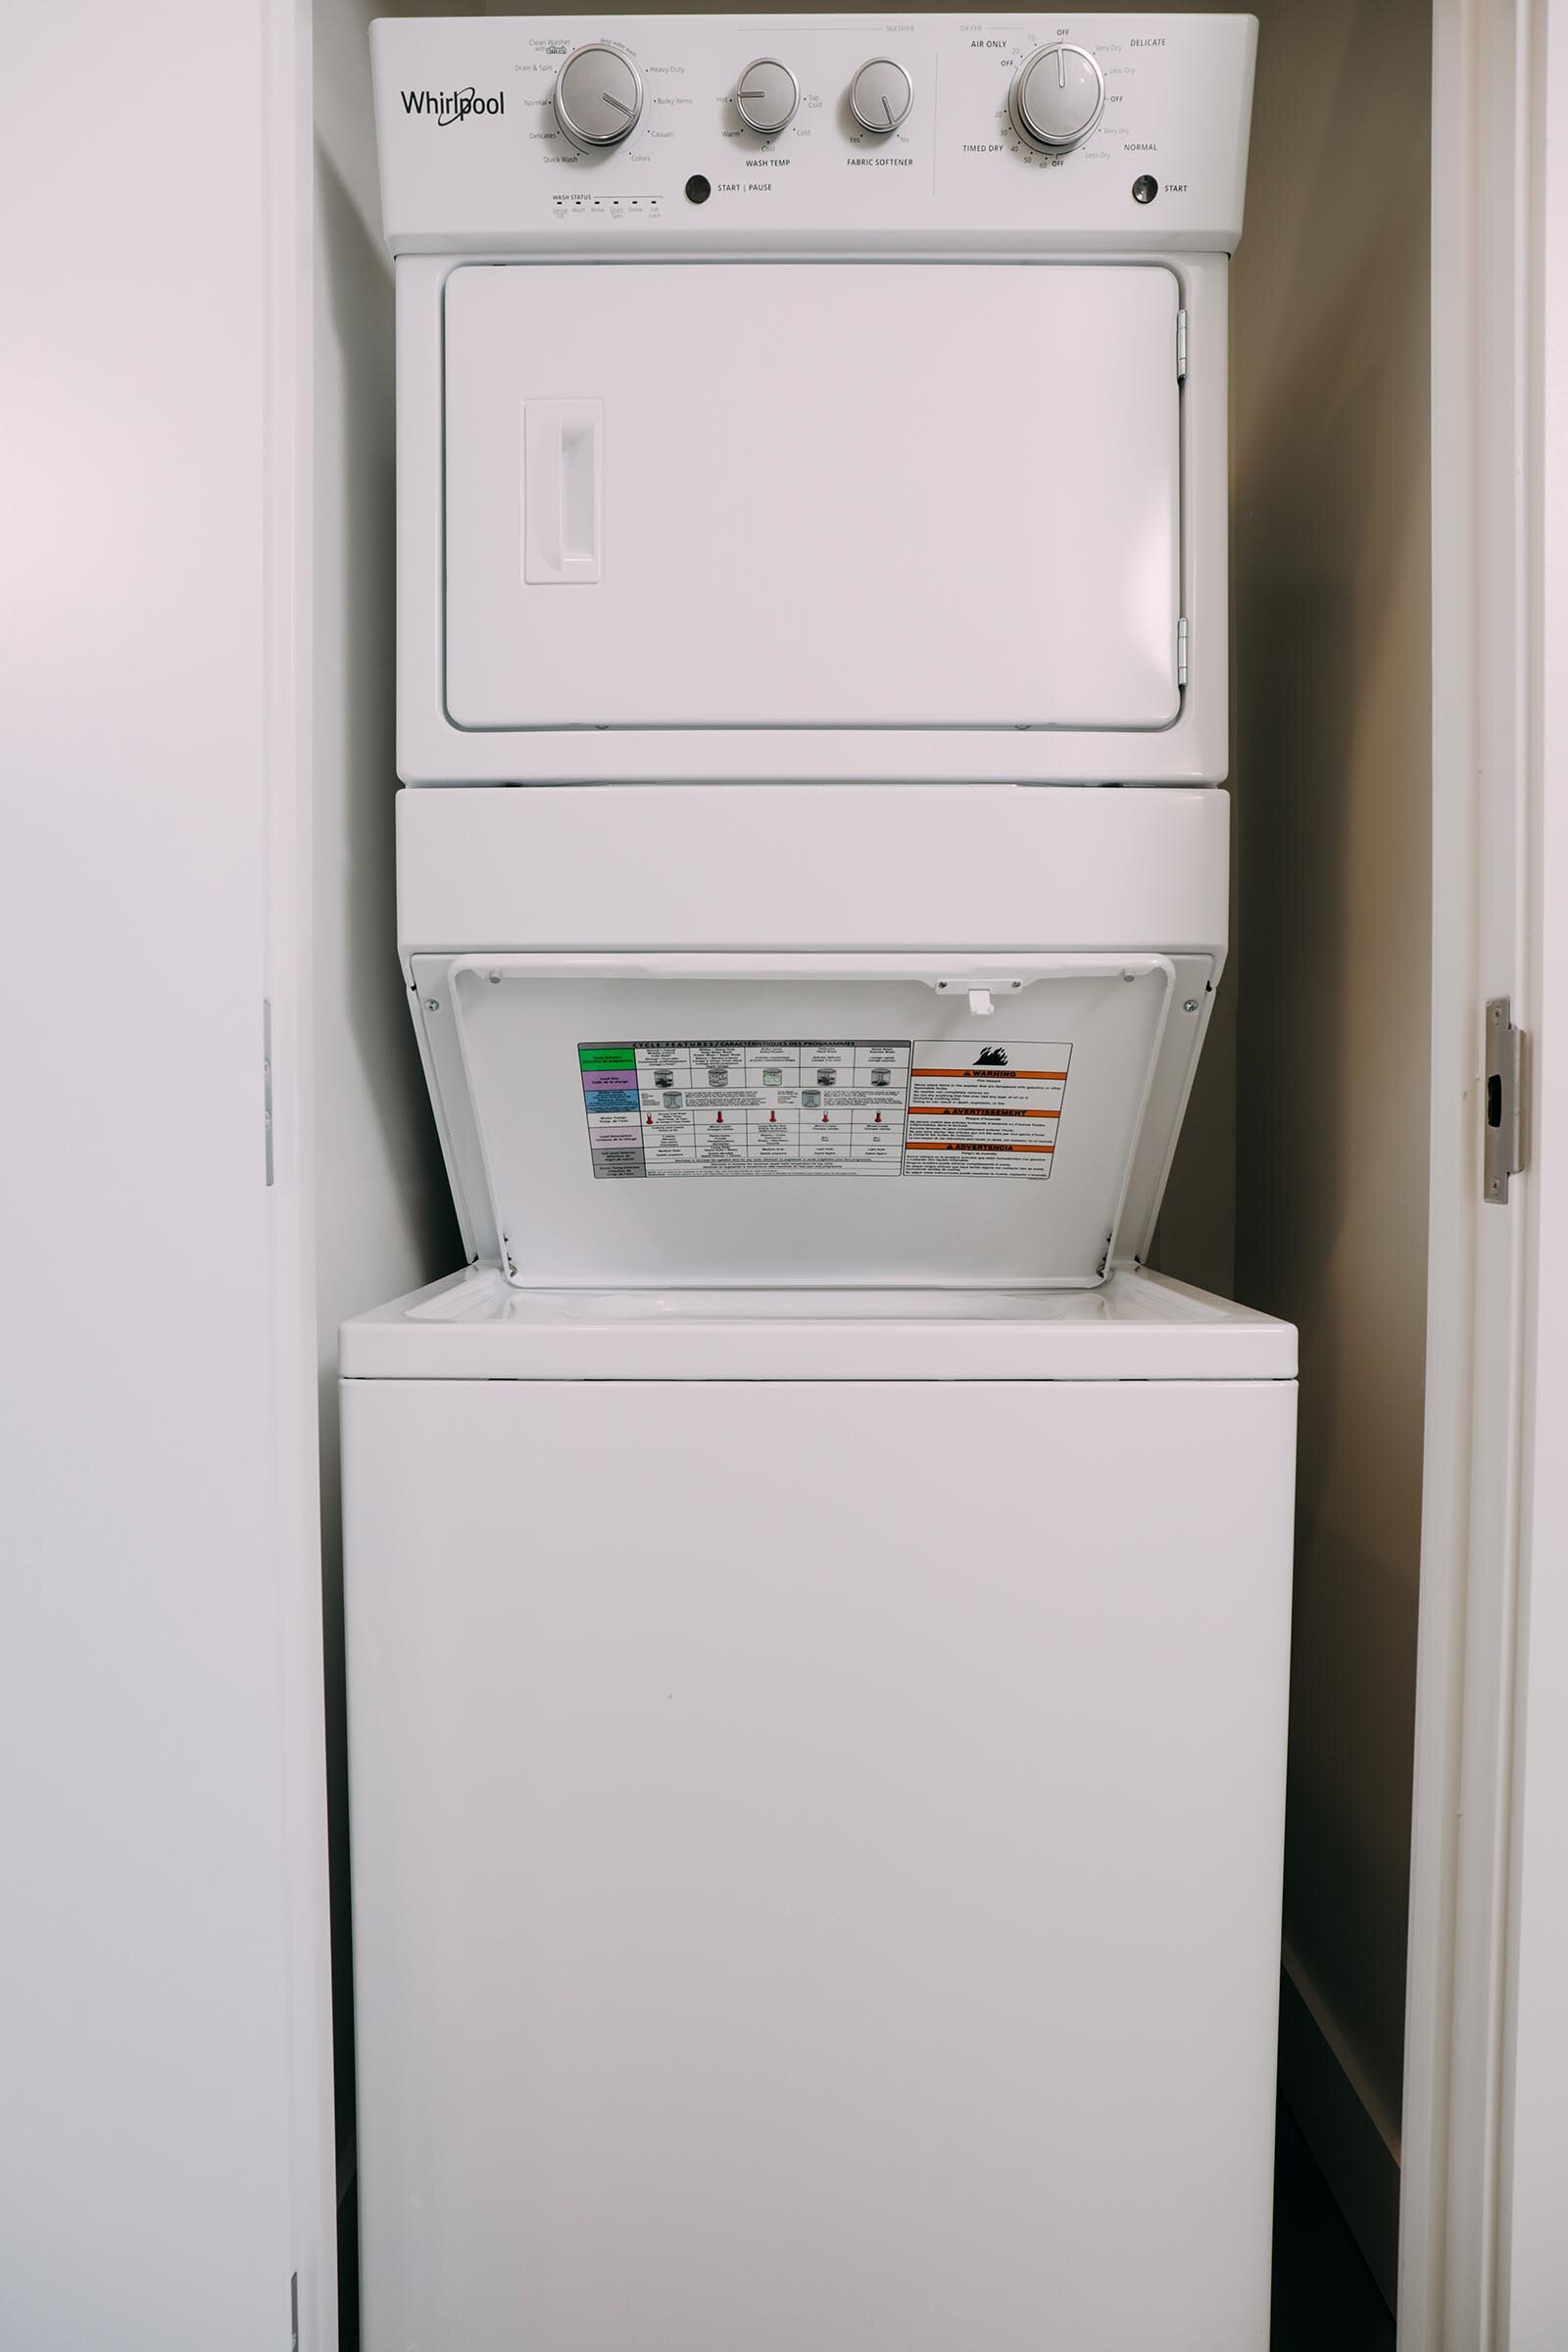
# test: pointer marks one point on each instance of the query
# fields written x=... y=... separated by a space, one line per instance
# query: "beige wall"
x=1332 y=785
x=1303 y=1167
x=1315 y=1075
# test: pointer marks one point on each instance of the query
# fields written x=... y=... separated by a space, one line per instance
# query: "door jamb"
x=1468 y=2271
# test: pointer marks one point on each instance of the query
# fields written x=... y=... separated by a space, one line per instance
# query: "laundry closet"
x=769 y=752
x=779 y=1478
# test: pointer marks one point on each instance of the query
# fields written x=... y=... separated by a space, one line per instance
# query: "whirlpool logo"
x=992 y=1058
x=452 y=106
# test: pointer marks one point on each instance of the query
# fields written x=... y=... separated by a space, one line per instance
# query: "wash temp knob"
x=766 y=96
x=1057 y=97
x=881 y=97
x=598 y=97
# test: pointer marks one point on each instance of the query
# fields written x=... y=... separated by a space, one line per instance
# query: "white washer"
x=817 y=1769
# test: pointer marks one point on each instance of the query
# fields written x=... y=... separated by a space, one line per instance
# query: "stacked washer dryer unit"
x=816 y=1607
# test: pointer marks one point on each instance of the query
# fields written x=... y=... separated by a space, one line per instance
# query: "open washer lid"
x=778 y=1121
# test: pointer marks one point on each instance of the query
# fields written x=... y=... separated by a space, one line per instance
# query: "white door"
x=817 y=1860
x=811 y=495
x=166 y=2175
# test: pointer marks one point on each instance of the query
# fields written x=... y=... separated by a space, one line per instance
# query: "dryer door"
x=811 y=495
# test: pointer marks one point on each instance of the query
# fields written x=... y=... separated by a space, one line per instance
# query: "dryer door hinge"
x=266 y=1083
x=1181 y=653
x=1180 y=347
x=1503 y=1152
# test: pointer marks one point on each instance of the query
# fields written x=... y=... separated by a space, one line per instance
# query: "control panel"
x=532 y=134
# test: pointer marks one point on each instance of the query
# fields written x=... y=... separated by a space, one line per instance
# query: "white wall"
x=1301 y=1175
x=383 y=1214
x=1333 y=800
x=383 y=1210
x=159 y=1801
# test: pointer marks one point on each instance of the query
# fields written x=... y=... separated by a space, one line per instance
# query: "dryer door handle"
x=562 y=491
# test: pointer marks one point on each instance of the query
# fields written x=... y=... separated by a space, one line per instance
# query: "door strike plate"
x=1502 y=1151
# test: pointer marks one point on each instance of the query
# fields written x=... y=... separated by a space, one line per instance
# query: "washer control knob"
x=881 y=97
x=766 y=96
x=1058 y=98
x=598 y=97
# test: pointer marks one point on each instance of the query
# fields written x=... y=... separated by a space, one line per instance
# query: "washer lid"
x=767 y=1120
x=475 y=1326
x=776 y=495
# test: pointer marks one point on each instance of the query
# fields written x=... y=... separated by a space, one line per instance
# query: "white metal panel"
x=500 y=177
x=817 y=1860
x=948 y=498
x=475 y=1326
x=689 y=867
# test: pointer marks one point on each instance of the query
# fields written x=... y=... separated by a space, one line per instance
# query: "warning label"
x=836 y=1106
x=995 y=1115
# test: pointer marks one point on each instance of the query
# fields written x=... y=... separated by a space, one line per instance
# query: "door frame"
x=285 y=506
x=1483 y=2264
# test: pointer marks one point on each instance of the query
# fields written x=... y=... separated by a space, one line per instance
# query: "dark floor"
x=1325 y=2298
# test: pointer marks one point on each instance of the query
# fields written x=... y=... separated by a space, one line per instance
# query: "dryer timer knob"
x=1057 y=97
x=598 y=97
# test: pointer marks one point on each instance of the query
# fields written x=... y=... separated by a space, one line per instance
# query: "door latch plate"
x=1502 y=1151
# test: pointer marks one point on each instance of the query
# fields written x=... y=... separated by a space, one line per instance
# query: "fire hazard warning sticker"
x=823 y=1106
x=992 y=1111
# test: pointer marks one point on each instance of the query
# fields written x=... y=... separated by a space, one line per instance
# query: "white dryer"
x=771 y=428
x=856 y=412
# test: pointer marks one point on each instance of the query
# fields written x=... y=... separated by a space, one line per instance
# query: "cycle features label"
x=834 y=1107
x=725 y=1107
x=986 y=1110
